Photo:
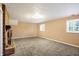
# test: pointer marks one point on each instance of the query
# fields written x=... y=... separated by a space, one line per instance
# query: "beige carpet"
x=43 y=47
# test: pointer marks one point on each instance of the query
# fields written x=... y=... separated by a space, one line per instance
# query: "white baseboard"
x=49 y=39
x=22 y=37
x=61 y=42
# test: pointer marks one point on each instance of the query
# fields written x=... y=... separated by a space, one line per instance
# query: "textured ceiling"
x=26 y=11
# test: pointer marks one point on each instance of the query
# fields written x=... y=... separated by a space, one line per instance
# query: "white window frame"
x=42 y=27
x=73 y=22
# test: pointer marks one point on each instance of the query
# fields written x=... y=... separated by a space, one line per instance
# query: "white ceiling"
x=26 y=11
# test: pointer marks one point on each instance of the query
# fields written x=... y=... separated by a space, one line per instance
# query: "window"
x=42 y=27
x=73 y=26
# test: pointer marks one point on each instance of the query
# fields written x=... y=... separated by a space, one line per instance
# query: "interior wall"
x=0 y=5
x=23 y=30
x=6 y=16
x=56 y=29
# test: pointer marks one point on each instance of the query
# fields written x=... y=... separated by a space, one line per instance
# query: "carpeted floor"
x=43 y=47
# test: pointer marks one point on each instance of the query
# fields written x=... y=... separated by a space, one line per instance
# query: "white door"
x=1 y=31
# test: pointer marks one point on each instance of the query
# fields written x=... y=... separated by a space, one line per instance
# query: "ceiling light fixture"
x=38 y=16
x=35 y=16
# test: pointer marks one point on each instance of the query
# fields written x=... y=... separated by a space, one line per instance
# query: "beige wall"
x=6 y=16
x=0 y=5
x=56 y=29
x=24 y=29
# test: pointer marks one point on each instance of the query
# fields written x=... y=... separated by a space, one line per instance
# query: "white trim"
x=67 y=26
x=1 y=31
x=61 y=42
x=1 y=9
x=22 y=37
x=73 y=20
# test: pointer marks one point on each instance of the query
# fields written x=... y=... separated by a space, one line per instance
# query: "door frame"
x=3 y=9
x=1 y=35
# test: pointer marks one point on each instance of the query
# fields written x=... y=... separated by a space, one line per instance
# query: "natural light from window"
x=73 y=26
x=42 y=27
